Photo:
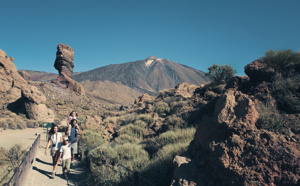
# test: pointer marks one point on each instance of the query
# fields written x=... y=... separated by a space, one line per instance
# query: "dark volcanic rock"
x=258 y=71
x=228 y=149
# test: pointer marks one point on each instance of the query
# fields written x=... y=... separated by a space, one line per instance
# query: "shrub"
x=175 y=122
x=59 y=102
x=86 y=108
x=286 y=92
x=140 y=123
x=282 y=59
x=160 y=170
x=3 y=124
x=32 y=124
x=177 y=136
x=11 y=124
x=133 y=156
x=210 y=95
x=14 y=154
x=132 y=130
x=3 y=156
x=91 y=140
x=20 y=124
x=125 y=138
x=145 y=117
x=175 y=107
x=161 y=108
x=220 y=74
x=269 y=119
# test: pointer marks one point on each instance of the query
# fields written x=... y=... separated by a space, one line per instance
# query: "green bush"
x=220 y=74
x=125 y=138
x=3 y=156
x=133 y=130
x=86 y=108
x=132 y=156
x=175 y=122
x=282 y=59
x=159 y=171
x=15 y=154
x=3 y=125
x=269 y=118
x=177 y=136
x=145 y=117
x=161 y=108
x=91 y=140
x=286 y=92
x=175 y=107
x=140 y=123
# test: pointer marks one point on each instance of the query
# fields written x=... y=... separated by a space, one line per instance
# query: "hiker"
x=72 y=116
x=72 y=131
x=55 y=138
x=65 y=154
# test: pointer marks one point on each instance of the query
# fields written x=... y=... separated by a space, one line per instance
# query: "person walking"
x=65 y=154
x=73 y=131
x=55 y=139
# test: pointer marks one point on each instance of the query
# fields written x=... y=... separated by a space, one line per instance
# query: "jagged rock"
x=25 y=75
x=64 y=64
x=185 y=90
x=143 y=98
x=258 y=71
x=228 y=149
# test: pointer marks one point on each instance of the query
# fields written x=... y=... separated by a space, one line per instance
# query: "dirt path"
x=25 y=137
x=42 y=169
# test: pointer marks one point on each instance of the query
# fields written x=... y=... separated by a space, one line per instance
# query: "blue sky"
x=196 y=33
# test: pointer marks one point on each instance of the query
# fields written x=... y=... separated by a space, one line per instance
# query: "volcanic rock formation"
x=64 y=64
x=229 y=149
x=25 y=98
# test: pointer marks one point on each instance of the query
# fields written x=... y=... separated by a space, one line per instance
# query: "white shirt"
x=55 y=138
x=66 y=152
x=71 y=118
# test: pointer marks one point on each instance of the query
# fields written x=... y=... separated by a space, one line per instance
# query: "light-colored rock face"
x=185 y=90
x=29 y=98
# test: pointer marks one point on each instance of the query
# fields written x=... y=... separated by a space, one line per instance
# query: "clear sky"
x=196 y=33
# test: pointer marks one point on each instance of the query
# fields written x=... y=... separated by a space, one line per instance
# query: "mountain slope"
x=148 y=76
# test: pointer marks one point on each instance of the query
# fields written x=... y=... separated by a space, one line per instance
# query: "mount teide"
x=146 y=76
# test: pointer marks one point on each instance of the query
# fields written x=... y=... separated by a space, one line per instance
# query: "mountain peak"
x=149 y=60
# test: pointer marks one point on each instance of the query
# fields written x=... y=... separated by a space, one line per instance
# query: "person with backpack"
x=55 y=140
x=73 y=131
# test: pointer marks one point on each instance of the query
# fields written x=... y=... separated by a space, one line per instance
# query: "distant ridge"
x=147 y=76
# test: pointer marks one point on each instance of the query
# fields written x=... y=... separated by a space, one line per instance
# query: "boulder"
x=258 y=71
x=26 y=99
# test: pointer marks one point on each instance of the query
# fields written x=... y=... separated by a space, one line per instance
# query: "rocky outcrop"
x=26 y=99
x=185 y=90
x=64 y=64
x=25 y=75
x=228 y=149
x=258 y=71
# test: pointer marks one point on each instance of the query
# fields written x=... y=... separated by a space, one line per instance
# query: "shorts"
x=54 y=152
x=74 y=148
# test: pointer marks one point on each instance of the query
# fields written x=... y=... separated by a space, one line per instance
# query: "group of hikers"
x=64 y=147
